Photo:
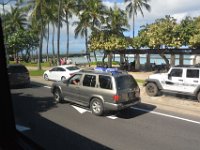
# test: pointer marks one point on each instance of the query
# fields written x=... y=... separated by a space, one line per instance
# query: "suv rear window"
x=125 y=82
x=105 y=82
x=17 y=69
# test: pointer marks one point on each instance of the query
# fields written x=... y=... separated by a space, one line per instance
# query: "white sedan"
x=62 y=72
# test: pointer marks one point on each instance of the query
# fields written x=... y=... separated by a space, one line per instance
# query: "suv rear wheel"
x=96 y=106
x=152 y=89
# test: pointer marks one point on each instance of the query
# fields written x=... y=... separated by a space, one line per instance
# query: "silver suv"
x=99 y=90
x=183 y=80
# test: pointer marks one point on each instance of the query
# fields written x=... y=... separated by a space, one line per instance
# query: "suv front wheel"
x=57 y=95
x=96 y=106
x=152 y=89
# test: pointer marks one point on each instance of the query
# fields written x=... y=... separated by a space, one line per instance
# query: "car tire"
x=96 y=107
x=46 y=77
x=198 y=97
x=63 y=78
x=57 y=95
x=151 y=89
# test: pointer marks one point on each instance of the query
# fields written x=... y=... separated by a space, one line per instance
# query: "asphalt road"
x=65 y=126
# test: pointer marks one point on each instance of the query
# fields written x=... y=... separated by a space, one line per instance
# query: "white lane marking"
x=22 y=128
x=47 y=87
x=166 y=115
x=80 y=110
x=112 y=117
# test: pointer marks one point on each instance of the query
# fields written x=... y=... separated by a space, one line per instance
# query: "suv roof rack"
x=102 y=70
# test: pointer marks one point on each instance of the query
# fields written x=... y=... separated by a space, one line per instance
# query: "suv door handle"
x=180 y=80
x=196 y=81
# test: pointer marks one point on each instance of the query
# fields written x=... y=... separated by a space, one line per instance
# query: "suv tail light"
x=116 y=98
x=71 y=74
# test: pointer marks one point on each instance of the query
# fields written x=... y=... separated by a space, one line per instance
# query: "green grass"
x=32 y=64
x=140 y=81
x=36 y=72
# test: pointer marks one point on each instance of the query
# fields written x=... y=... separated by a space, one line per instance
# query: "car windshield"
x=125 y=82
x=72 y=68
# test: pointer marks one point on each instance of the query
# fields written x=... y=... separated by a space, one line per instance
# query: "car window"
x=176 y=72
x=72 y=68
x=125 y=82
x=192 y=73
x=54 y=69
x=105 y=82
x=89 y=80
x=75 y=79
x=60 y=69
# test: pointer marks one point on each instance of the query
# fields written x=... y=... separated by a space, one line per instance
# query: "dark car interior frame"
x=10 y=138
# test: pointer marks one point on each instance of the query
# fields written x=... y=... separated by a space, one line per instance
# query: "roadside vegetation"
x=102 y=28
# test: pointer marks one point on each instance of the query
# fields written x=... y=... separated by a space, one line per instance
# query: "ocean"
x=188 y=59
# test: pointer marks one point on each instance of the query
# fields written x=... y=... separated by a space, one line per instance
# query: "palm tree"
x=38 y=10
x=132 y=6
x=51 y=19
x=15 y=20
x=95 y=10
x=69 y=9
x=116 y=21
x=58 y=31
x=82 y=29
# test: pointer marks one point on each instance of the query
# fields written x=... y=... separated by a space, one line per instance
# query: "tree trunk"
x=47 y=58
x=172 y=60
x=133 y=25
x=137 y=61
x=58 y=33
x=148 y=64
x=95 y=57
x=53 y=48
x=165 y=58
x=181 y=58
x=40 y=48
x=110 y=59
x=104 y=56
x=67 y=24
x=87 y=49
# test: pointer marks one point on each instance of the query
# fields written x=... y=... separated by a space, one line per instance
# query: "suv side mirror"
x=169 y=76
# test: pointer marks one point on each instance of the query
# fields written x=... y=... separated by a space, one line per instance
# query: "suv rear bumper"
x=120 y=106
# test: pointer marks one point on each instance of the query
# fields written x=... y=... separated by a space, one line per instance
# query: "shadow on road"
x=132 y=113
x=48 y=134
x=181 y=96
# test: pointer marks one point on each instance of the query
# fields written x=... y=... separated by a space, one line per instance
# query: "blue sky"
x=159 y=8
